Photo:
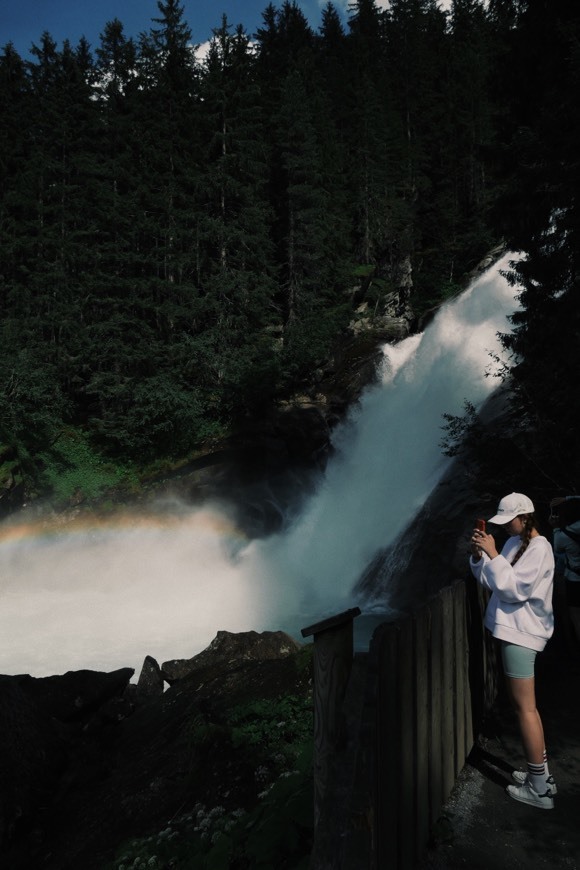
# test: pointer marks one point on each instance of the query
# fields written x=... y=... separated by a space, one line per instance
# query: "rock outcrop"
x=40 y=720
x=228 y=650
x=89 y=760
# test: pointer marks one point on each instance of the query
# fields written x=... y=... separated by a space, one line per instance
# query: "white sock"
x=546 y=764
x=538 y=777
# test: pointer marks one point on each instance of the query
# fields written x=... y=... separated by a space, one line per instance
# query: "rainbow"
x=198 y=520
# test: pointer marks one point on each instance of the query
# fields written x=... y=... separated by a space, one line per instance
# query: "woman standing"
x=519 y=614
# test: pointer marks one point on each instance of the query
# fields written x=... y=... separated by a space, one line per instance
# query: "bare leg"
x=523 y=695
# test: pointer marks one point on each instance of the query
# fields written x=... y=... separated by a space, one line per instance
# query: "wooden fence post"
x=333 y=653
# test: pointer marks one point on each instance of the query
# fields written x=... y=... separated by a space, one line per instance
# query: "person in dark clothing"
x=565 y=520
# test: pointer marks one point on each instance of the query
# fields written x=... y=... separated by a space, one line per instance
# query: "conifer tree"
x=176 y=239
x=117 y=143
x=14 y=145
x=302 y=226
x=471 y=65
x=333 y=67
x=539 y=211
x=382 y=218
x=44 y=280
x=236 y=267
x=31 y=402
x=59 y=177
x=141 y=392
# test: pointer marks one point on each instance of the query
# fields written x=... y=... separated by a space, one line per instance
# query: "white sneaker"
x=526 y=794
x=520 y=777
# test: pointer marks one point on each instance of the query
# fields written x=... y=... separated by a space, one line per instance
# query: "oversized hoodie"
x=520 y=608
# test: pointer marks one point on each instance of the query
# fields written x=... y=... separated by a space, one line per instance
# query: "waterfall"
x=105 y=595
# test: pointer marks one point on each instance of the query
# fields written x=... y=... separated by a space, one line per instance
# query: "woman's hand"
x=482 y=542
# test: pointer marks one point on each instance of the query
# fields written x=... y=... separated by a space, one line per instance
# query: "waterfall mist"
x=104 y=596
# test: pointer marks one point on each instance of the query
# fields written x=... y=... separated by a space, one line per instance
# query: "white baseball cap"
x=511 y=506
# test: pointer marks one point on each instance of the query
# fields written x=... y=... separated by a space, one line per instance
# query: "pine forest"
x=180 y=237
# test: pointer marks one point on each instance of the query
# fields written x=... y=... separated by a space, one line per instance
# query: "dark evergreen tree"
x=42 y=329
x=236 y=265
x=416 y=67
x=300 y=208
x=472 y=60
x=178 y=239
x=118 y=142
x=285 y=42
x=31 y=403
x=539 y=211
x=334 y=70
x=301 y=176
x=141 y=389
x=332 y=116
x=505 y=13
x=382 y=211
x=53 y=187
x=14 y=153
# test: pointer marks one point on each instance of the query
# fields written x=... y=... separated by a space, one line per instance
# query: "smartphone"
x=480 y=525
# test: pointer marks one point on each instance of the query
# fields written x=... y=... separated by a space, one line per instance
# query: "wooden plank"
x=436 y=791
x=459 y=676
x=447 y=691
x=332 y=622
x=424 y=722
x=469 y=735
x=423 y=747
x=406 y=742
x=332 y=665
x=386 y=814
x=474 y=631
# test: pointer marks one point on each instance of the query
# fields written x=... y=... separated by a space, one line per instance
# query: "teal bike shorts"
x=518 y=661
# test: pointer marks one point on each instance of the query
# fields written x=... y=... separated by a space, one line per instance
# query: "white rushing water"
x=104 y=596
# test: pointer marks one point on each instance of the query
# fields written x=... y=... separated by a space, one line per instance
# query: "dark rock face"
x=88 y=760
x=38 y=717
x=150 y=682
x=228 y=650
x=32 y=756
x=76 y=694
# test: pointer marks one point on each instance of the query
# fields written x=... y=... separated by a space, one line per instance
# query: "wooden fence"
x=333 y=639
x=429 y=679
x=434 y=679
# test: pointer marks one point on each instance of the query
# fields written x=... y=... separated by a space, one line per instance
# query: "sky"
x=23 y=22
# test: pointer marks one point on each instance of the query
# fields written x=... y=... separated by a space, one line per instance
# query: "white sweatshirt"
x=520 y=608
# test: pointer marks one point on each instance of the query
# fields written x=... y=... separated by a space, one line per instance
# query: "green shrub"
x=462 y=430
x=73 y=469
x=273 y=739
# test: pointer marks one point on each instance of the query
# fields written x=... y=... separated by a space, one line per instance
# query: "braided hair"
x=529 y=521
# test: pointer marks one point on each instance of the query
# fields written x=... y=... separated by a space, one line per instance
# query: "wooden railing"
x=333 y=640
x=429 y=679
